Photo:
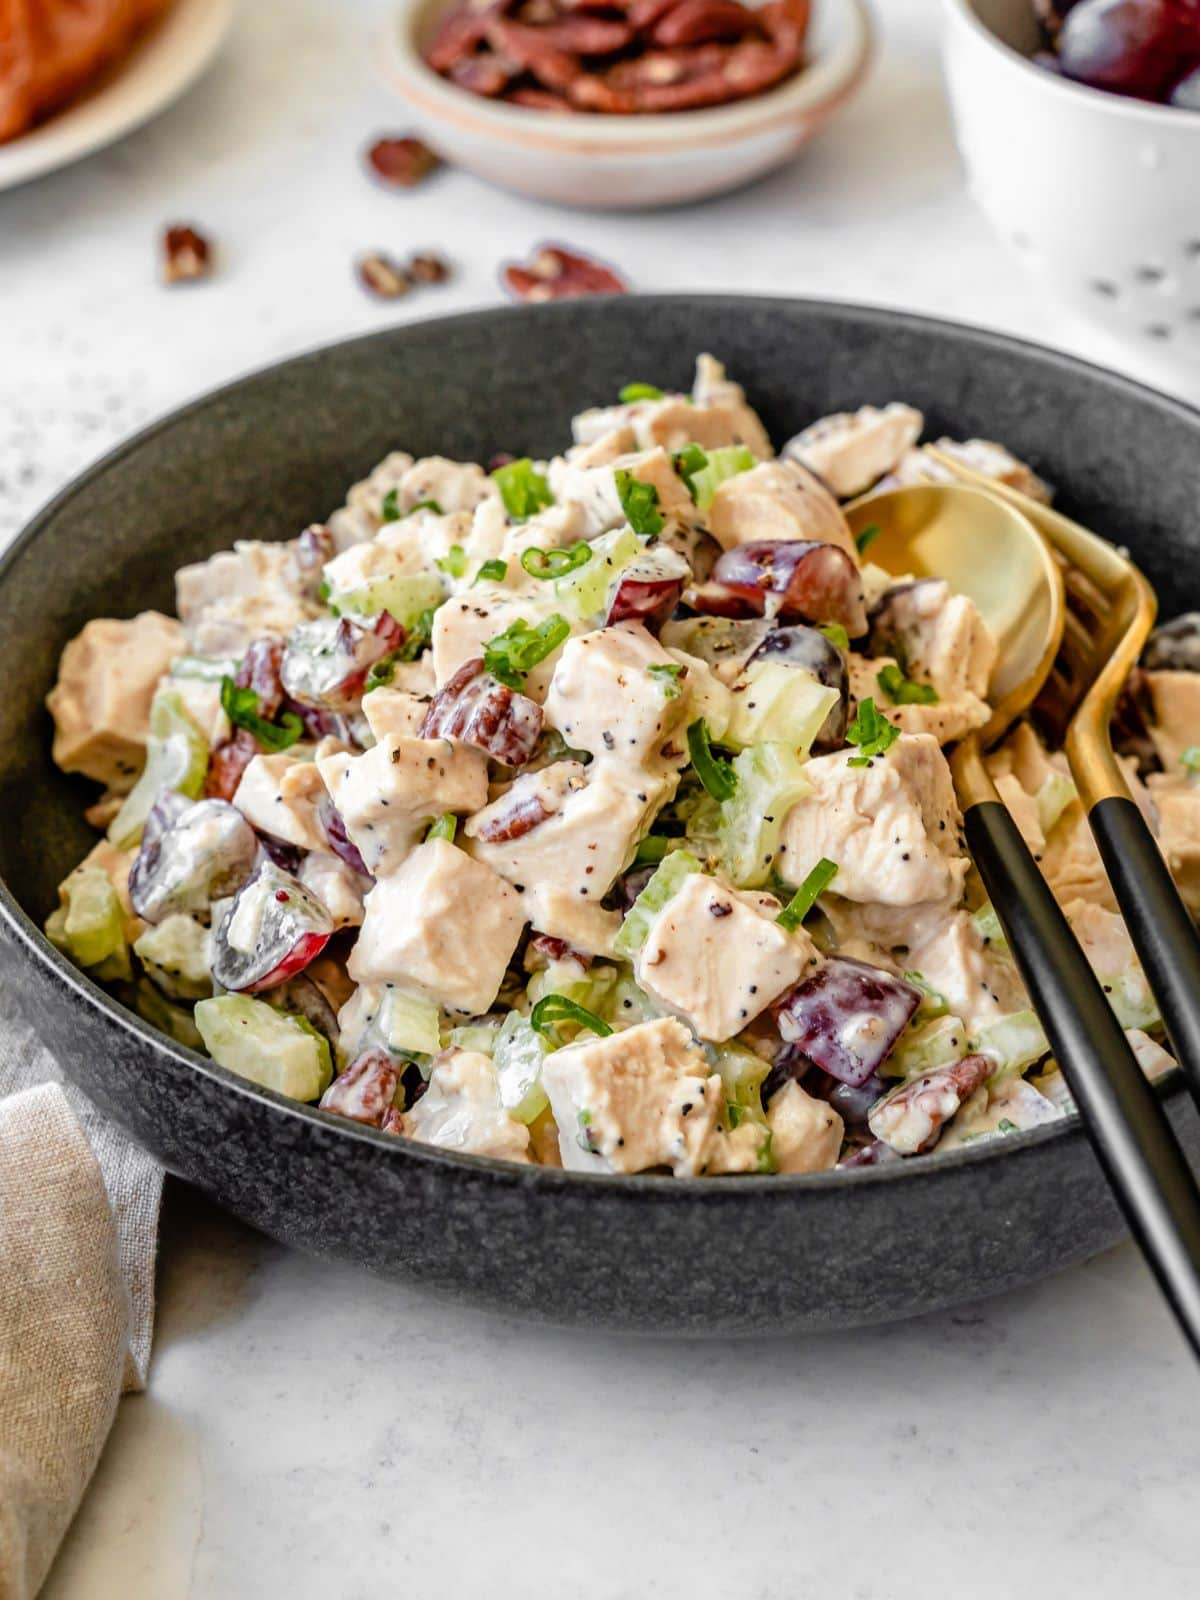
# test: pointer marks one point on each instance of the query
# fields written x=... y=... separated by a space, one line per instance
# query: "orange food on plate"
x=51 y=49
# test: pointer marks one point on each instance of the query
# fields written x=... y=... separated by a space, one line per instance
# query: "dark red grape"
x=315 y=546
x=260 y=671
x=726 y=600
x=286 y=926
x=483 y=712
x=870 y=1155
x=649 y=590
x=845 y=1018
x=365 y=1090
x=326 y=662
x=226 y=764
x=810 y=650
x=301 y=997
x=806 y=581
x=190 y=856
x=340 y=841
x=1136 y=47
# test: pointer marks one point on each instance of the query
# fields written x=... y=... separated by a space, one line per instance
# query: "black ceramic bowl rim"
x=710 y=1190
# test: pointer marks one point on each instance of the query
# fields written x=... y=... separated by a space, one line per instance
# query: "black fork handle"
x=1159 y=924
x=1121 y=1112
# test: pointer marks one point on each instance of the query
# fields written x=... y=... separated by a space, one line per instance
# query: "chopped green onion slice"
x=494 y=571
x=454 y=562
x=443 y=827
x=391 y=506
x=639 y=502
x=836 y=635
x=871 y=732
x=669 y=675
x=688 y=461
x=805 y=897
x=513 y=653
x=425 y=505
x=556 y=1008
x=640 y=391
x=902 y=691
x=651 y=850
x=323 y=591
x=555 y=563
x=523 y=490
x=420 y=632
x=381 y=673
x=867 y=537
x=1191 y=758
x=241 y=707
x=717 y=776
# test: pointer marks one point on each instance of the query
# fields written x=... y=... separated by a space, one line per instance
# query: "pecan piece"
x=487 y=74
x=260 y=671
x=364 y=1091
x=227 y=763
x=402 y=162
x=700 y=21
x=481 y=711
x=539 y=99
x=428 y=269
x=588 y=36
x=383 y=277
x=517 y=819
x=557 y=274
x=187 y=255
x=529 y=47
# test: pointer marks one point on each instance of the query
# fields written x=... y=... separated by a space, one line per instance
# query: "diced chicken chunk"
x=616 y=692
x=443 y=926
x=242 y=594
x=717 y=957
x=852 y=449
x=638 y=1099
x=716 y=414
x=806 y=1133
x=561 y=913
x=278 y=795
x=937 y=638
x=978 y=982
x=1175 y=702
x=778 y=500
x=943 y=720
x=388 y=795
x=392 y=710
x=994 y=461
x=101 y=703
x=892 y=826
x=460 y=1110
x=1151 y=1057
x=746 y=1148
x=1071 y=863
x=336 y=885
x=362 y=515
x=1176 y=803
x=1105 y=941
x=566 y=828
x=451 y=485
x=462 y=627
x=592 y=488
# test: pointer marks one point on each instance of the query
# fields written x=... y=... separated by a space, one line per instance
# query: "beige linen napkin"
x=78 y=1226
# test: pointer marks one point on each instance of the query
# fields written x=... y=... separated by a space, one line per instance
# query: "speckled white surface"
x=311 y=1432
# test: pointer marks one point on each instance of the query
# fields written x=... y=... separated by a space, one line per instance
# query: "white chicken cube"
x=806 y=1133
x=463 y=627
x=241 y=594
x=388 y=795
x=1175 y=706
x=461 y=1110
x=778 y=500
x=944 y=719
x=336 y=885
x=279 y=795
x=852 y=449
x=1176 y=802
x=617 y=693
x=891 y=826
x=592 y=487
x=939 y=638
x=638 y=1099
x=392 y=710
x=979 y=983
x=567 y=827
x=443 y=927
x=101 y=702
x=451 y=485
x=717 y=957
x=362 y=515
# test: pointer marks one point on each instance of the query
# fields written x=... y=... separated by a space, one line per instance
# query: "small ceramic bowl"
x=1098 y=196
x=629 y=163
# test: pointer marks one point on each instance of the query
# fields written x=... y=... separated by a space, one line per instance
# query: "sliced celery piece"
x=724 y=462
x=407 y=1024
x=778 y=705
x=404 y=597
x=770 y=780
x=175 y=955
x=176 y=758
x=584 y=592
x=926 y=1045
x=276 y=1049
x=1013 y=1042
x=519 y=1054
x=1053 y=798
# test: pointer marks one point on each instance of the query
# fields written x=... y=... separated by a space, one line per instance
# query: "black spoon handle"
x=1159 y=924
x=1121 y=1112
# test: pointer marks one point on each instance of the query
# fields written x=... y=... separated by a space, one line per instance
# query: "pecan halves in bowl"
x=620 y=57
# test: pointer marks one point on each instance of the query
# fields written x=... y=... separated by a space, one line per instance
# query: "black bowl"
x=271 y=453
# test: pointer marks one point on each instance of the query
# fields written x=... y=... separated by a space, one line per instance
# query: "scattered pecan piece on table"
x=428 y=268
x=402 y=162
x=187 y=254
x=553 y=273
x=383 y=277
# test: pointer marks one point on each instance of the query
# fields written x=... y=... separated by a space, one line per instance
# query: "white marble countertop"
x=311 y=1432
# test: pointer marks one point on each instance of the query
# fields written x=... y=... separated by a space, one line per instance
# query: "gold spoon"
x=987 y=549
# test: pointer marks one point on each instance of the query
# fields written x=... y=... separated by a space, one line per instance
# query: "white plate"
x=165 y=61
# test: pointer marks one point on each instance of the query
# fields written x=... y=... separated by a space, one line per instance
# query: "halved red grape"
x=800 y=581
x=811 y=650
x=1136 y=47
x=870 y=1155
x=315 y=546
x=227 y=763
x=649 y=590
x=260 y=671
x=340 y=841
x=735 y=601
x=190 y=856
x=911 y=1120
x=481 y=711
x=846 y=1018
x=325 y=663
x=365 y=1090
x=273 y=929
x=301 y=997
